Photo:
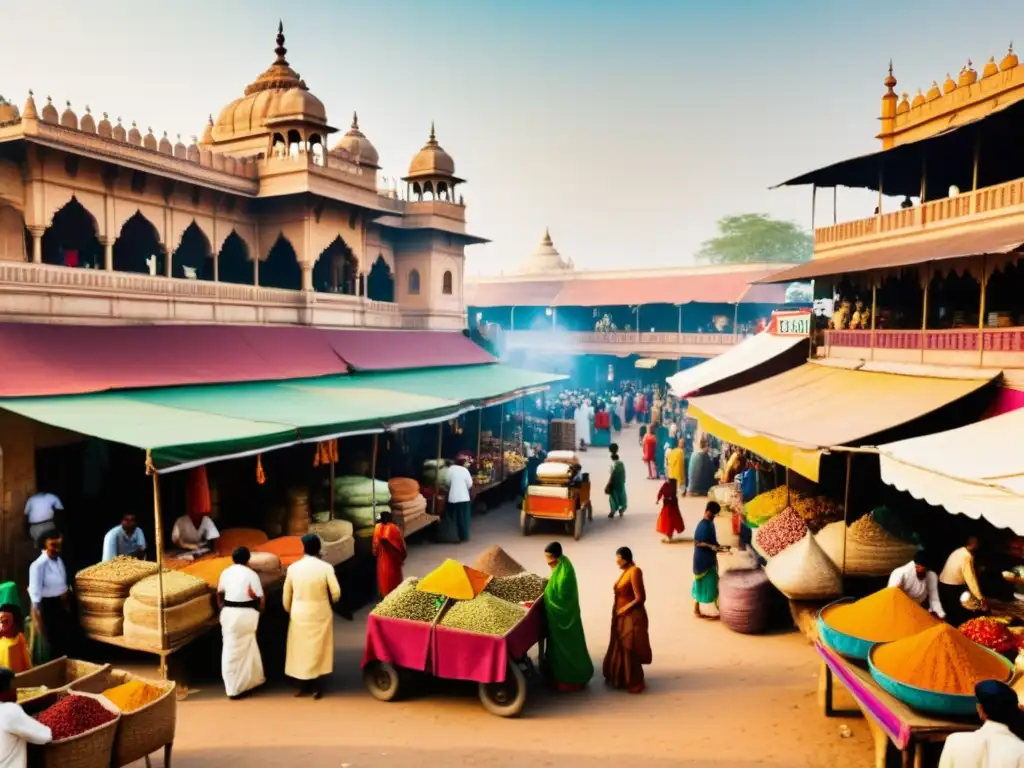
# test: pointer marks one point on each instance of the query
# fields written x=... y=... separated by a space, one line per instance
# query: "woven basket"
x=332 y=530
x=92 y=749
x=265 y=562
x=145 y=637
x=102 y=626
x=337 y=552
x=417 y=504
x=875 y=557
x=145 y=730
x=94 y=605
x=179 y=588
x=180 y=618
x=119 y=572
x=58 y=674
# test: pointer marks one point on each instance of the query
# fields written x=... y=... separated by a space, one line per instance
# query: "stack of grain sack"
x=188 y=605
x=102 y=589
x=337 y=540
x=297 y=521
x=435 y=475
x=408 y=505
x=355 y=497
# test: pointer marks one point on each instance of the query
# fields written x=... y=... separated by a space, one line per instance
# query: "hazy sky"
x=627 y=127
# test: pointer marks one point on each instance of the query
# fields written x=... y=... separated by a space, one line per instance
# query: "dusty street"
x=714 y=698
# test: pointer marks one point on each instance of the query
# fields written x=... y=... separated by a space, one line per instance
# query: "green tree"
x=756 y=237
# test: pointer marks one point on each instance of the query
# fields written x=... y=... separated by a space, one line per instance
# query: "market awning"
x=792 y=418
x=885 y=255
x=954 y=470
x=472 y=386
x=512 y=293
x=741 y=364
x=726 y=287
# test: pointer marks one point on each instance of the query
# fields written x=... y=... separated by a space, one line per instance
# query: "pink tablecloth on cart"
x=397 y=641
x=459 y=655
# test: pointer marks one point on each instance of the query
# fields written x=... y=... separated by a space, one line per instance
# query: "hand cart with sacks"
x=562 y=494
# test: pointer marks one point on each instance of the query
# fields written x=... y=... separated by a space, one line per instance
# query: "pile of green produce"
x=521 y=588
x=484 y=615
x=407 y=602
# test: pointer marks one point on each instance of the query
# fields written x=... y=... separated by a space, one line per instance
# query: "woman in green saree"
x=616 y=488
x=568 y=659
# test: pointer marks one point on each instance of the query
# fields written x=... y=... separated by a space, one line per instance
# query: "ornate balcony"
x=670 y=345
x=44 y=293
x=988 y=347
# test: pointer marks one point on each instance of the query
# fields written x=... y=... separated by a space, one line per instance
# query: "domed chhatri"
x=431 y=161
x=277 y=94
x=918 y=100
x=545 y=259
x=49 y=114
x=904 y=105
x=968 y=75
x=949 y=85
x=355 y=145
x=991 y=68
x=934 y=92
x=68 y=118
x=1009 y=60
x=8 y=112
x=87 y=124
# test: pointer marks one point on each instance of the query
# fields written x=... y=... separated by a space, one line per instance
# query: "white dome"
x=545 y=258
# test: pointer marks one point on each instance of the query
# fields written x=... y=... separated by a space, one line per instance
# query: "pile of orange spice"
x=885 y=616
x=940 y=659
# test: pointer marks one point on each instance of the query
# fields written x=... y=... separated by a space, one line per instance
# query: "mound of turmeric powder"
x=885 y=616
x=940 y=659
x=133 y=695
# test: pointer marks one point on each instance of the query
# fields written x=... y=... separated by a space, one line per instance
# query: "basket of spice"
x=149 y=714
x=936 y=670
x=83 y=728
x=56 y=675
x=851 y=628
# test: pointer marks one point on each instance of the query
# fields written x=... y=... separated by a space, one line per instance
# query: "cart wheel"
x=577 y=524
x=505 y=699
x=381 y=680
x=525 y=522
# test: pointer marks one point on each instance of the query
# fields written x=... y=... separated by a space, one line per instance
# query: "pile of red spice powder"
x=74 y=715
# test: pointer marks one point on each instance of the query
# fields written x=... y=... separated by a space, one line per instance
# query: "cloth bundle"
x=564 y=457
x=363 y=516
x=403 y=489
x=554 y=472
x=179 y=588
x=435 y=473
x=360 y=500
x=407 y=513
x=804 y=572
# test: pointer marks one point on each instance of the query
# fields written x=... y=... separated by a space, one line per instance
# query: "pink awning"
x=48 y=359
x=715 y=288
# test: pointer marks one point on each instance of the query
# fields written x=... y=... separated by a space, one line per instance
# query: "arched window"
x=446 y=283
x=414 y=283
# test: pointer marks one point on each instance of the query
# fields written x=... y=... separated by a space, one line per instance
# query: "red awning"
x=514 y=293
x=48 y=359
x=720 y=288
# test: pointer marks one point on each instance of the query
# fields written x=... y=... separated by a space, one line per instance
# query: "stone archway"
x=233 y=262
x=336 y=270
x=281 y=269
x=138 y=248
x=71 y=239
x=192 y=258
x=380 y=284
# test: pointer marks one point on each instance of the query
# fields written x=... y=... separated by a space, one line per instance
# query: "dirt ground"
x=714 y=698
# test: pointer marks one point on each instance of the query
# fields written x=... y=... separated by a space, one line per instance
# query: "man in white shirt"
x=241 y=598
x=919 y=584
x=17 y=729
x=125 y=539
x=958 y=576
x=460 y=497
x=51 y=599
x=996 y=744
x=194 y=532
x=40 y=511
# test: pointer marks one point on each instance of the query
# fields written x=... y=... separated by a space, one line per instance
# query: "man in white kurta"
x=241 y=599
x=310 y=588
x=582 y=419
x=996 y=744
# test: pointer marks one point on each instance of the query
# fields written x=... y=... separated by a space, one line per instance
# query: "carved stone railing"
x=967 y=207
x=935 y=346
x=570 y=338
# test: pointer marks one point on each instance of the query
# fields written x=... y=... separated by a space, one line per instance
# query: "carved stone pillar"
x=307 y=276
x=37 y=244
x=108 y=254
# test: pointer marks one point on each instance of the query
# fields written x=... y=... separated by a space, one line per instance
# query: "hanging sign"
x=795 y=323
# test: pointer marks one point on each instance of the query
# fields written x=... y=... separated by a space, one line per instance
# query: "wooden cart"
x=572 y=506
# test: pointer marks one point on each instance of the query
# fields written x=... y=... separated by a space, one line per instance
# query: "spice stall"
x=458 y=623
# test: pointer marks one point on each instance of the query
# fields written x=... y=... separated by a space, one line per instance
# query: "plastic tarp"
x=976 y=470
x=792 y=418
x=748 y=354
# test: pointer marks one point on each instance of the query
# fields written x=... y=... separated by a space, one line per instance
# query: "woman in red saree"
x=670 y=520
x=650 y=448
x=389 y=549
x=630 y=645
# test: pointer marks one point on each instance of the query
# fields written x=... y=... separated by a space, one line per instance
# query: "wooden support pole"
x=331 y=491
x=874 y=310
x=814 y=203
x=437 y=473
x=158 y=532
x=924 y=178
x=981 y=311
x=924 y=305
x=835 y=205
x=373 y=475
x=846 y=509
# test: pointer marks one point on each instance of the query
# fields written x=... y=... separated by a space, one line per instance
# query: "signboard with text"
x=797 y=323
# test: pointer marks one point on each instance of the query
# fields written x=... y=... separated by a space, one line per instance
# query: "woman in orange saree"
x=389 y=549
x=630 y=646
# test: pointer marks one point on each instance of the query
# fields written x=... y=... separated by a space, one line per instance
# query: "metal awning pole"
x=835 y=205
x=158 y=534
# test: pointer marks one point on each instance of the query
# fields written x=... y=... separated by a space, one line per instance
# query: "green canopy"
x=186 y=426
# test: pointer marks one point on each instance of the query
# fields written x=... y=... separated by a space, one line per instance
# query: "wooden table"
x=889 y=719
x=122 y=642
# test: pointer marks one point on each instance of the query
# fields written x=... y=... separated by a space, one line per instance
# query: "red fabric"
x=602 y=420
x=459 y=655
x=397 y=641
x=640 y=404
x=389 y=547
x=670 y=520
x=197 y=495
x=1006 y=400
x=44 y=359
x=650 y=446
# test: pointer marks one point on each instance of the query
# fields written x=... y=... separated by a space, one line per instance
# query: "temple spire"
x=280 y=50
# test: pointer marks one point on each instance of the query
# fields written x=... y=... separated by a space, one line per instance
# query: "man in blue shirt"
x=125 y=539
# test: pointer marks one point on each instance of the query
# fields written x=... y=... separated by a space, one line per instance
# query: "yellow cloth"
x=14 y=654
x=455 y=580
x=309 y=589
x=959 y=571
x=676 y=461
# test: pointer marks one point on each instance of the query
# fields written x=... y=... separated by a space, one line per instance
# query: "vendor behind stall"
x=919 y=584
x=50 y=596
x=194 y=530
x=959 y=576
x=125 y=539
